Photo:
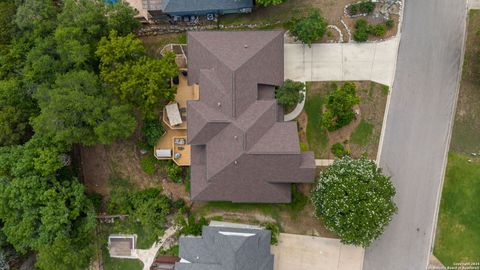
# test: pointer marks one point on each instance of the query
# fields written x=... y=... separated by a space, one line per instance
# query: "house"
x=241 y=149
x=158 y=9
x=226 y=248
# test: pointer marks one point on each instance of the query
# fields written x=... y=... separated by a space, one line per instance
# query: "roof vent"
x=235 y=162
x=235 y=137
x=219 y=104
x=245 y=46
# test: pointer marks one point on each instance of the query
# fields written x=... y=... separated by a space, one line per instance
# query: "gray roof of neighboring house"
x=174 y=6
x=242 y=151
x=225 y=248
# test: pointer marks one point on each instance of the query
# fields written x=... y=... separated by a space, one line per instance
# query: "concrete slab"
x=474 y=4
x=302 y=252
x=342 y=61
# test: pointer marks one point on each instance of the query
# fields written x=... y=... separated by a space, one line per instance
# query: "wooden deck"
x=167 y=141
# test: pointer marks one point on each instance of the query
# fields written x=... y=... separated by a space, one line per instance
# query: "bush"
x=355 y=200
x=190 y=226
x=273 y=227
x=152 y=130
x=339 y=151
x=171 y=251
x=339 y=107
x=389 y=23
x=96 y=199
x=361 y=8
x=290 y=93
x=377 y=30
x=174 y=172
x=310 y=28
x=299 y=200
x=149 y=164
x=361 y=30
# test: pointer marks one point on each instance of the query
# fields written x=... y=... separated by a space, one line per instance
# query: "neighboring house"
x=226 y=248
x=241 y=150
x=158 y=9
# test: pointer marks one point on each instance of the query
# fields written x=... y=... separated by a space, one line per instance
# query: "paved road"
x=342 y=61
x=417 y=129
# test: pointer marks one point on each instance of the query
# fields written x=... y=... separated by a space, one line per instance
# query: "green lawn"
x=362 y=134
x=316 y=134
x=110 y=263
x=458 y=233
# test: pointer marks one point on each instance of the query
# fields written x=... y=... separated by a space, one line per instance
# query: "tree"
x=269 y=2
x=152 y=130
x=355 y=200
x=119 y=123
x=121 y=18
x=16 y=107
x=339 y=108
x=37 y=210
x=134 y=78
x=310 y=28
x=7 y=23
x=290 y=93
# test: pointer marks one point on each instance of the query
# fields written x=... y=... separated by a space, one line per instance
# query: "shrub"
x=360 y=8
x=172 y=251
x=361 y=30
x=299 y=200
x=190 y=226
x=339 y=108
x=389 y=23
x=355 y=200
x=339 y=151
x=149 y=164
x=273 y=227
x=310 y=28
x=96 y=199
x=377 y=30
x=152 y=130
x=290 y=93
x=174 y=172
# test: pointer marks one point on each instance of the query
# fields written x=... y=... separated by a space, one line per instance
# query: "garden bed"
x=361 y=136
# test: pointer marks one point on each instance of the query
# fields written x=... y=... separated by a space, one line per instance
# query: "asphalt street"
x=418 y=129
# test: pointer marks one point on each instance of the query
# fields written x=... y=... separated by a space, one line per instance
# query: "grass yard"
x=466 y=130
x=361 y=136
x=154 y=44
x=110 y=263
x=458 y=231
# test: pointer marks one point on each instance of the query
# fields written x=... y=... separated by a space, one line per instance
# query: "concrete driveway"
x=342 y=61
x=302 y=252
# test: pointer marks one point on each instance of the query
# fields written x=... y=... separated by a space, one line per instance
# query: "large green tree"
x=16 y=107
x=310 y=28
x=355 y=200
x=38 y=208
x=134 y=78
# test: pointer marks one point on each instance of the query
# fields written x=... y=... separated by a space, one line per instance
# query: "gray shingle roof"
x=218 y=248
x=242 y=151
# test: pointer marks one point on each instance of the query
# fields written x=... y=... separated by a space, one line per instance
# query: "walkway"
x=303 y=252
x=147 y=256
x=417 y=130
x=342 y=61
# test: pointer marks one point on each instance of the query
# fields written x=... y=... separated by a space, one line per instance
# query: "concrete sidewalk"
x=342 y=61
x=302 y=252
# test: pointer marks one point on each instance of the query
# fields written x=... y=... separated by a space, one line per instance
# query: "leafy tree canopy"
x=16 y=106
x=310 y=28
x=135 y=79
x=355 y=200
x=290 y=93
